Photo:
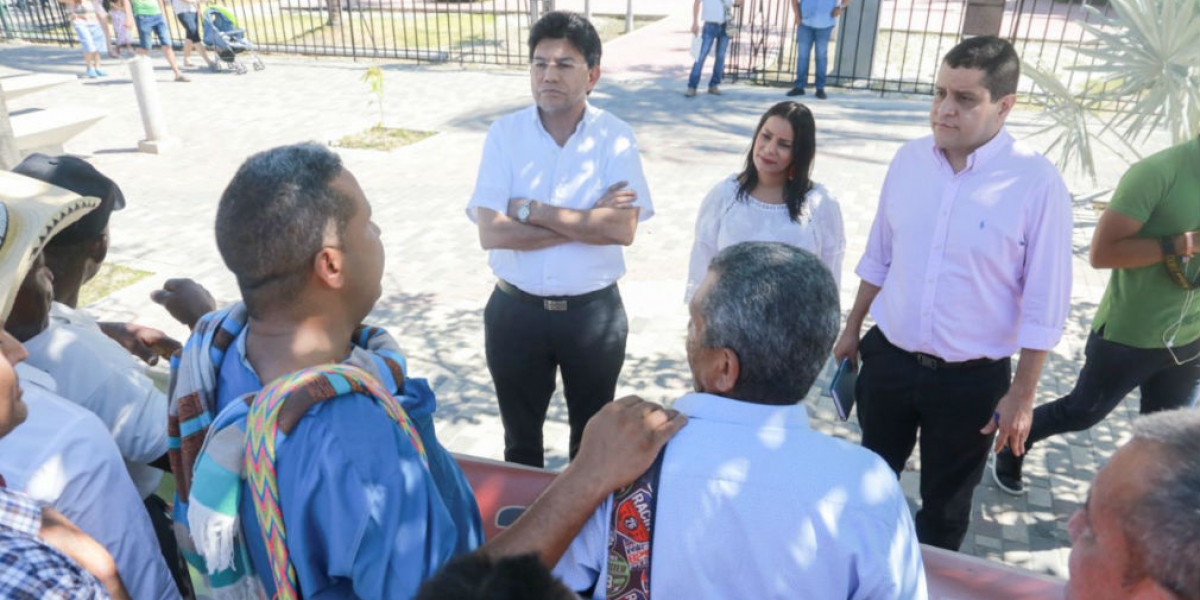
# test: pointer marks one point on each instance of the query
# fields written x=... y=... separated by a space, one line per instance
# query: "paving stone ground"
x=437 y=281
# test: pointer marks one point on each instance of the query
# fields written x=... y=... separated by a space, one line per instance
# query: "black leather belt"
x=554 y=303
x=930 y=361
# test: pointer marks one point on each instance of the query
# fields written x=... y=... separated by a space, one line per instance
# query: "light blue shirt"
x=818 y=14
x=364 y=517
x=752 y=503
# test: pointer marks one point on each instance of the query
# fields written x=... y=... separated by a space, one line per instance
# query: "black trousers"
x=897 y=398
x=525 y=345
x=1110 y=371
x=160 y=518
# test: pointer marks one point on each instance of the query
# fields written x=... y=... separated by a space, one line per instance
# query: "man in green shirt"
x=148 y=16
x=1147 y=330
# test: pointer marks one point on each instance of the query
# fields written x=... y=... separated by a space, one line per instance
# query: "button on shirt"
x=975 y=264
x=752 y=503
x=62 y=455
x=521 y=160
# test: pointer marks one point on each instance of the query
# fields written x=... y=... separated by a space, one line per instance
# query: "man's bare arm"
x=613 y=219
x=619 y=444
x=846 y=346
x=597 y=226
x=61 y=534
x=501 y=232
x=1116 y=245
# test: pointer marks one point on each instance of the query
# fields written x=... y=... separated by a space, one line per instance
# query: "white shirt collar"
x=697 y=405
x=590 y=114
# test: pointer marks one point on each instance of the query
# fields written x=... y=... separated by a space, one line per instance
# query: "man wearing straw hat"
x=86 y=357
x=62 y=455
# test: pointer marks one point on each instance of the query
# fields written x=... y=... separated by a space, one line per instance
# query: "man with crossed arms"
x=560 y=190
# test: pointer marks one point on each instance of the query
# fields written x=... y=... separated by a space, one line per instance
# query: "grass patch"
x=110 y=279
x=374 y=30
x=383 y=138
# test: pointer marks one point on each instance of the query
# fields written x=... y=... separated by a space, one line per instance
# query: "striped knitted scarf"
x=195 y=430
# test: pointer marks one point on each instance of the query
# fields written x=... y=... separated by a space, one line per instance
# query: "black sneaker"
x=796 y=92
x=1006 y=472
x=821 y=95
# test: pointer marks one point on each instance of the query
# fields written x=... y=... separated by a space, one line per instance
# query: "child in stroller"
x=221 y=32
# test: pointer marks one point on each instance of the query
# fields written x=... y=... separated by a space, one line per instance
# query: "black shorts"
x=191 y=26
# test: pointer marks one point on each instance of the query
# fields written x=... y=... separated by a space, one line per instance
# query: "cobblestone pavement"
x=437 y=280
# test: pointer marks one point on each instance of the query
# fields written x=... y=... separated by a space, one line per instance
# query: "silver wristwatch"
x=524 y=210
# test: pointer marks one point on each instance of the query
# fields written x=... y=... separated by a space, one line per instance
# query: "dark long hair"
x=804 y=149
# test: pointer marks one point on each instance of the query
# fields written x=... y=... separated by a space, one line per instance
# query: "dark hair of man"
x=804 y=149
x=1162 y=525
x=561 y=24
x=273 y=218
x=995 y=57
x=477 y=576
x=776 y=307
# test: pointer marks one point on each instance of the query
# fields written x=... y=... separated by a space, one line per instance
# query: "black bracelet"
x=1168 y=245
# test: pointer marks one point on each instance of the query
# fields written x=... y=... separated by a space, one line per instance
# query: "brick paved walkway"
x=437 y=279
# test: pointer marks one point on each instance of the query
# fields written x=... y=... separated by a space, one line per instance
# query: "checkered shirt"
x=30 y=569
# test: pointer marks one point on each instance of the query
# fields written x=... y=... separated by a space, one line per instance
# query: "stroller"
x=222 y=34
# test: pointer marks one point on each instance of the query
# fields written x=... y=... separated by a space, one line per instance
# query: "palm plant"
x=1145 y=74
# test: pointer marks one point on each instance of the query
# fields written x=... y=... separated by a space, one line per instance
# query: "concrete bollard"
x=141 y=71
x=628 y=16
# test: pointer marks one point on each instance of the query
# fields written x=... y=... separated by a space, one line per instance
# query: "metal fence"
x=427 y=31
x=36 y=21
x=886 y=45
x=492 y=32
x=897 y=45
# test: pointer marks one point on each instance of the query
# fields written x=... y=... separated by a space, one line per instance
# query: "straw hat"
x=31 y=212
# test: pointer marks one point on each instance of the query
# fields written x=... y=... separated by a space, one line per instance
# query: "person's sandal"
x=181 y=79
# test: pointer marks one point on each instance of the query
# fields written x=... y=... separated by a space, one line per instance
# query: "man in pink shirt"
x=968 y=261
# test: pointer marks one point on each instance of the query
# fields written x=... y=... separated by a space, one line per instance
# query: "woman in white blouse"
x=773 y=199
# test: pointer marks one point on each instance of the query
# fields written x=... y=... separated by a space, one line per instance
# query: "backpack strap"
x=268 y=416
x=631 y=534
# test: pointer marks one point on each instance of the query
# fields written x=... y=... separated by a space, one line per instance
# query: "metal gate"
x=897 y=45
x=36 y=21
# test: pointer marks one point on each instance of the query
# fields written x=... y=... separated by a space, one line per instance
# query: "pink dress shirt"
x=975 y=264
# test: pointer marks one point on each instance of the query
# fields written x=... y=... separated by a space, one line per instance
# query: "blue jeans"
x=1112 y=370
x=807 y=37
x=711 y=32
x=155 y=25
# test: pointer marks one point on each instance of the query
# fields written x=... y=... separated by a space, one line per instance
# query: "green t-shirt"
x=1163 y=192
x=145 y=7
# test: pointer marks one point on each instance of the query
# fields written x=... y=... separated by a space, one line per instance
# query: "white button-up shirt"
x=974 y=264
x=752 y=503
x=96 y=373
x=521 y=160
x=62 y=455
